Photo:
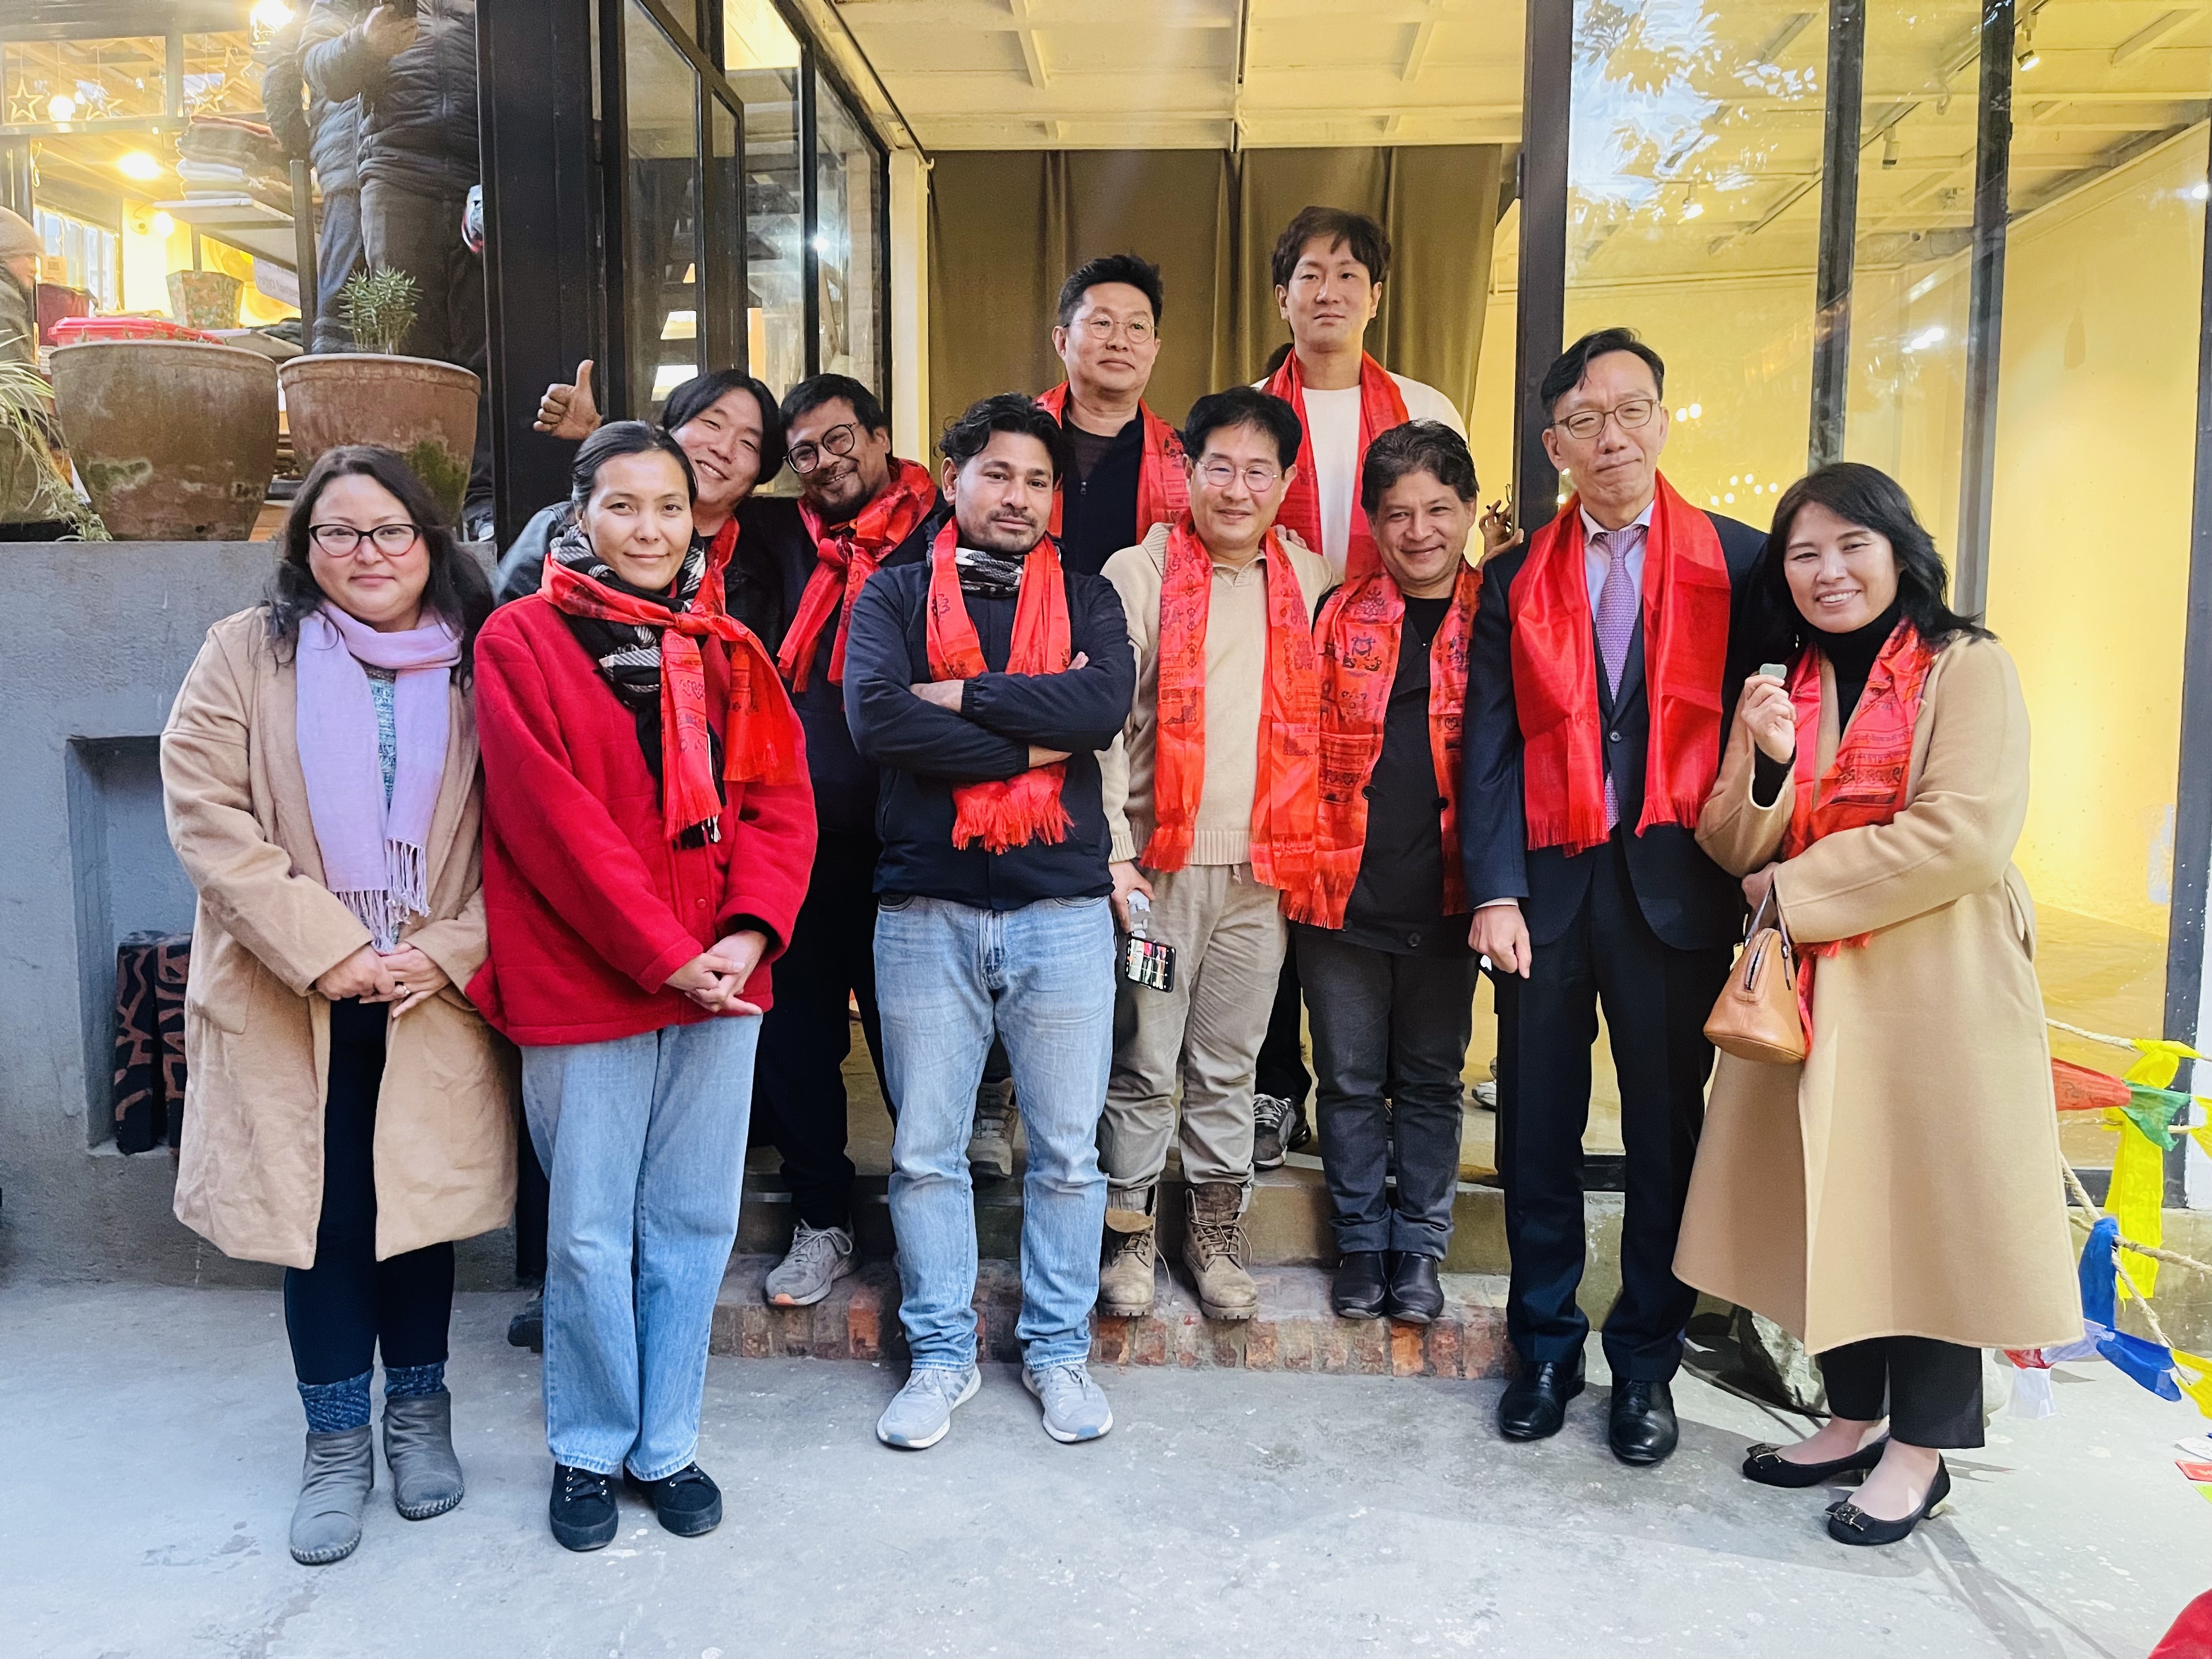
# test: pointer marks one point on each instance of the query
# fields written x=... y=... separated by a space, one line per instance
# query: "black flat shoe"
x=1359 y=1288
x=1534 y=1403
x=1413 y=1295
x=1849 y=1524
x=1766 y=1466
x=583 y=1510
x=1643 y=1430
x=687 y=1502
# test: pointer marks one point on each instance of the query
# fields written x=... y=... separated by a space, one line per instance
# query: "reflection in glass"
x=846 y=183
x=761 y=59
x=660 y=248
x=722 y=316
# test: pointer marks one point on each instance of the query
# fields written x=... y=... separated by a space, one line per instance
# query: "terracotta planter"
x=175 y=442
x=425 y=411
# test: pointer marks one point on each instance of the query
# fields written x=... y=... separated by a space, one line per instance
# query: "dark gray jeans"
x=1394 y=1028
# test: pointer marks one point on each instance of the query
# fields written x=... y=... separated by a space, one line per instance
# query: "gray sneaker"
x=921 y=1412
x=818 y=1258
x=991 y=1132
x=1075 y=1408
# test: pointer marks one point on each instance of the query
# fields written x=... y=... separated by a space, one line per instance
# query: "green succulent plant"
x=379 y=306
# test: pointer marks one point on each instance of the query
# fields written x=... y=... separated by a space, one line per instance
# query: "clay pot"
x=424 y=411
x=175 y=442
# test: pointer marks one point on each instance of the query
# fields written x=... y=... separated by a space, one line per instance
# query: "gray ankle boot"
x=418 y=1444
x=334 y=1484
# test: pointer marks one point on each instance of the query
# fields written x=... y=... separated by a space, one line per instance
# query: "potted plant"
x=423 y=409
x=34 y=485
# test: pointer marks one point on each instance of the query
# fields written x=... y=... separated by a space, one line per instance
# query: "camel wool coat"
x=1903 y=1180
x=257 y=1035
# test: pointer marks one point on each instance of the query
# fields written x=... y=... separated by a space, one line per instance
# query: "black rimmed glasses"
x=837 y=441
x=1585 y=424
x=342 y=541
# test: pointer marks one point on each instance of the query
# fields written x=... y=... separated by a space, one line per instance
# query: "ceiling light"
x=1730 y=498
x=2029 y=56
x=138 y=164
x=1696 y=410
x=163 y=225
x=61 y=107
x=1692 y=207
x=1682 y=414
x=1930 y=336
x=270 y=15
x=2199 y=191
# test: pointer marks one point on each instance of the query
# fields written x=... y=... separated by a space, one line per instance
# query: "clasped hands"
x=406 y=976
x=714 y=978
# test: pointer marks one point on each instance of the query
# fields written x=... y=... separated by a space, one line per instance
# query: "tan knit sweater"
x=1236 y=663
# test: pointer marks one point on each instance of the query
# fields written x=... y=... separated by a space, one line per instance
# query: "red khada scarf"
x=846 y=556
x=1686 y=631
x=1284 y=798
x=1359 y=633
x=1013 y=812
x=1382 y=406
x=1163 y=491
x=761 y=739
x=1866 y=783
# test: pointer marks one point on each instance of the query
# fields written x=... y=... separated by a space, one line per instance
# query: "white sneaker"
x=1075 y=1408
x=818 y=1258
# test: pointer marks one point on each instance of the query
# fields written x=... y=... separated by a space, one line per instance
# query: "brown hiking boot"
x=1125 y=1280
x=1213 y=1251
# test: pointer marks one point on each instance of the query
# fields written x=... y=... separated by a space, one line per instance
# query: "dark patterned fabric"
x=173 y=961
x=149 y=1094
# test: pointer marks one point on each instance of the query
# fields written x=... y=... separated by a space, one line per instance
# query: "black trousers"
x=1931 y=1391
x=1281 y=1071
x=1656 y=1000
x=799 y=1086
x=340 y=1312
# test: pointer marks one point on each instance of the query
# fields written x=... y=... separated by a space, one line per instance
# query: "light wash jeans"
x=643 y=1141
x=948 y=977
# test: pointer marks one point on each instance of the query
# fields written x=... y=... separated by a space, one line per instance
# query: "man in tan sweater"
x=1211 y=807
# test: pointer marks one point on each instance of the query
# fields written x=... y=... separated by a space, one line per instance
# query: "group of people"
x=1071 y=766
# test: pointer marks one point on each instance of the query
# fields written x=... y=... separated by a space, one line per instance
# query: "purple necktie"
x=1616 y=627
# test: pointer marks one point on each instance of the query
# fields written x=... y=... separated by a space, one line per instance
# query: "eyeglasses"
x=342 y=541
x=1103 y=328
x=1586 y=424
x=1219 y=475
x=837 y=441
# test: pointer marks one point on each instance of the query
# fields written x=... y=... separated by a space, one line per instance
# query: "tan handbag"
x=1756 y=1017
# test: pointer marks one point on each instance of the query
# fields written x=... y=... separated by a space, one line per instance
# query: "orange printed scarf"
x=1685 y=633
x=1359 y=634
x=1283 y=797
x=1005 y=814
x=846 y=556
x=1163 y=491
x=1382 y=406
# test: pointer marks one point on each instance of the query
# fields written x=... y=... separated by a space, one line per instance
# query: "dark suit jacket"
x=1690 y=902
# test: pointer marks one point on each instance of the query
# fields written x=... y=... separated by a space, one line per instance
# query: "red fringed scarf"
x=1382 y=406
x=1013 y=812
x=1284 y=794
x=1163 y=491
x=1359 y=633
x=1686 y=630
x=1866 y=783
x=761 y=740
x=846 y=556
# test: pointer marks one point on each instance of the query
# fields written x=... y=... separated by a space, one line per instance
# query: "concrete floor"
x=150 y=1438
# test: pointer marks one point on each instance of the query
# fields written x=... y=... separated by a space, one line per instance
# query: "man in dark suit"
x=1599 y=676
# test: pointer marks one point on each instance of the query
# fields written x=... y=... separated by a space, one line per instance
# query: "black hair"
x=1369 y=242
x=966 y=437
x=703 y=392
x=1571 y=366
x=1276 y=358
x=1242 y=406
x=458 y=591
x=624 y=438
x=816 y=389
x=1865 y=495
x=1429 y=446
x=1134 y=269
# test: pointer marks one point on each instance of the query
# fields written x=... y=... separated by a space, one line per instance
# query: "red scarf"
x=846 y=556
x=1283 y=797
x=1865 y=783
x=1382 y=406
x=761 y=741
x=1163 y=491
x=1359 y=633
x=1013 y=812
x=1686 y=631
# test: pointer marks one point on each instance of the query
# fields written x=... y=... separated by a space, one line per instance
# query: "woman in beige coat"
x=348 y=1113
x=1894 y=1201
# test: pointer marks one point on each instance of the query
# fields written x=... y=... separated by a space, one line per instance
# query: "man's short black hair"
x=1429 y=446
x=1137 y=271
x=966 y=437
x=810 y=393
x=1369 y=243
x=1242 y=406
x=1567 y=371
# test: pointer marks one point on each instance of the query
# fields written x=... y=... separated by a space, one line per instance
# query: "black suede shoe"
x=1414 y=1295
x=1849 y=1524
x=583 y=1508
x=1643 y=1430
x=1359 y=1290
x=687 y=1502
x=527 y=1328
x=1534 y=1403
x=1766 y=1465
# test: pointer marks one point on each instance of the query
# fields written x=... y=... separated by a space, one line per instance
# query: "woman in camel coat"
x=1894 y=1202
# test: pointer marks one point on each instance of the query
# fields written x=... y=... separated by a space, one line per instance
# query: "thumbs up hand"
x=568 y=410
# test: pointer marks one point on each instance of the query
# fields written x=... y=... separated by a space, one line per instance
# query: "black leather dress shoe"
x=1360 y=1285
x=1534 y=1403
x=1642 y=1429
x=1414 y=1295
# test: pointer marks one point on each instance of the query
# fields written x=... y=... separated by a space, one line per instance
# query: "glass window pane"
x=721 y=316
x=761 y=59
x=847 y=182
x=660 y=243
x=78 y=81
x=220 y=77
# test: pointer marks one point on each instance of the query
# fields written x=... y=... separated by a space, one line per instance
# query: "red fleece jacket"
x=589 y=905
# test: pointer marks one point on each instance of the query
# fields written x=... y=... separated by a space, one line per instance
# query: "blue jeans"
x=643 y=1141
x=948 y=978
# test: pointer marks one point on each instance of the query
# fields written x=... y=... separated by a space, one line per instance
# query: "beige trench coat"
x=1904 y=1180
x=257 y=1037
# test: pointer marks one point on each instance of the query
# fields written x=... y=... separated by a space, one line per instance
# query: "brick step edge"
x=1296 y=1330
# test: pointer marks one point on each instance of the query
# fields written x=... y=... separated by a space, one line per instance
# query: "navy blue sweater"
x=924 y=750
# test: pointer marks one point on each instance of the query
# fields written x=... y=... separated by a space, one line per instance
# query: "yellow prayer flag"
x=2136 y=1198
x=2195 y=1376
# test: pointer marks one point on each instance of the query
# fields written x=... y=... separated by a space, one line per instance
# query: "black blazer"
x=1690 y=902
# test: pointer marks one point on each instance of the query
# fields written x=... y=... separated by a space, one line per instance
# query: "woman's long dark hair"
x=695 y=396
x=1870 y=497
x=459 y=590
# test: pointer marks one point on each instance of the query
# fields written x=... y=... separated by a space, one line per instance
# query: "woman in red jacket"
x=649 y=829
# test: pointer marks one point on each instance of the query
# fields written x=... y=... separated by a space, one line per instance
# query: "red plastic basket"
x=81 y=331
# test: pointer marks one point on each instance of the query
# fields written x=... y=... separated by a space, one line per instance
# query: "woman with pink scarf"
x=348 y=1113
